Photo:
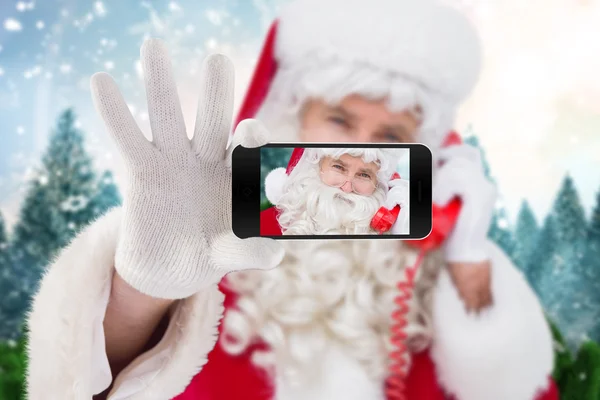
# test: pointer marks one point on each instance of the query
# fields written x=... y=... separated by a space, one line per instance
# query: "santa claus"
x=333 y=191
x=131 y=308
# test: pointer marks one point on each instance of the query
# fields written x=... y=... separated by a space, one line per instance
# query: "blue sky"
x=535 y=124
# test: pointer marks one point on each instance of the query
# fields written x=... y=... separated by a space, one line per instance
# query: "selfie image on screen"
x=334 y=191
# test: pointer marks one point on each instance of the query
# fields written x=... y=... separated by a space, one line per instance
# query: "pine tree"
x=527 y=230
x=570 y=215
x=11 y=298
x=542 y=265
x=56 y=203
x=3 y=244
x=63 y=197
x=591 y=265
x=569 y=296
x=500 y=231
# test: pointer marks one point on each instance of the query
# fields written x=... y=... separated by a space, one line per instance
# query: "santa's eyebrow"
x=367 y=170
x=338 y=161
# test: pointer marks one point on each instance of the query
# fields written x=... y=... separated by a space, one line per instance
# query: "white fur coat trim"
x=66 y=352
x=505 y=352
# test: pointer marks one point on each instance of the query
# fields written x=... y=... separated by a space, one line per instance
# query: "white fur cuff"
x=505 y=352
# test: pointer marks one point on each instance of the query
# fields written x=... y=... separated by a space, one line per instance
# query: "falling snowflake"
x=107 y=181
x=109 y=65
x=99 y=9
x=72 y=226
x=214 y=16
x=211 y=43
x=43 y=180
x=12 y=25
x=74 y=203
x=20 y=130
x=11 y=343
x=24 y=6
x=173 y=6
x=65 y=68
x=1 y=71
x=40 y=25
x=502 y=223
x=582 y=376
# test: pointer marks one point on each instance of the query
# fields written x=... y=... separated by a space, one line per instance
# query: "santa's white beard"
x=310 y=207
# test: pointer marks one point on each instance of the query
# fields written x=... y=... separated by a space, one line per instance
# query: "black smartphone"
x=332 y=191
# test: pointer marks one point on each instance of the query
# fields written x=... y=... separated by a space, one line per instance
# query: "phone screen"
x=307 y=191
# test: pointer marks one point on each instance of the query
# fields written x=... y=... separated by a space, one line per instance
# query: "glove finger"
x=396 y=196
x=231 y=253
x=215 y=108
x=113 y=110
x=164 y=109
x=250 y=133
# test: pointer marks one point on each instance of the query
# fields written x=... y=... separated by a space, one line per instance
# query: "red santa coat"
x=227 y=377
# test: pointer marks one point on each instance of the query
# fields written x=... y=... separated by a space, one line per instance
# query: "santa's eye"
x=364 y=175
x=338 y=121
x=338 y=167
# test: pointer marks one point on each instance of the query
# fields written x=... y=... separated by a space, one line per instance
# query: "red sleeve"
x=421 y=382
x=227 y=377
x=268 y=222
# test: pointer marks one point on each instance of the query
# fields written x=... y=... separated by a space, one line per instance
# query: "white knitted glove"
x=462 y=175
x=398 y=194
x=176 y=235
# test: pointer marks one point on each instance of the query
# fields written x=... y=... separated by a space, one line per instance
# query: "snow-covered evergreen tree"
x=11 y=298
x=3 y=243
x=527 y=230
x=568 y=295
x=64 y=196
x=542 y=265
x=591 y=266
x=500 y=230
x=56 y=203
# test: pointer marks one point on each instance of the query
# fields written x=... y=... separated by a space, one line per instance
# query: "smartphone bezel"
x=246 y=193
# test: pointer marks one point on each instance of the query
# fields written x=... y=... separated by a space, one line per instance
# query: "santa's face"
x=349 y=174
x=357 y=119
x=336 y=196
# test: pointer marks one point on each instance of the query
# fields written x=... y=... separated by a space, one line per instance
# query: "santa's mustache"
x=311 y=207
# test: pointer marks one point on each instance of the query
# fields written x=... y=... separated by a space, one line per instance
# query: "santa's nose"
x=347 y=187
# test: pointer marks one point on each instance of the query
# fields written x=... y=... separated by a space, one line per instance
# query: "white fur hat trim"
x=429 y=42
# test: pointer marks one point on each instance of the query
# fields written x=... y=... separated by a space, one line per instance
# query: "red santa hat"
x=277 y=178
x=430 y=44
